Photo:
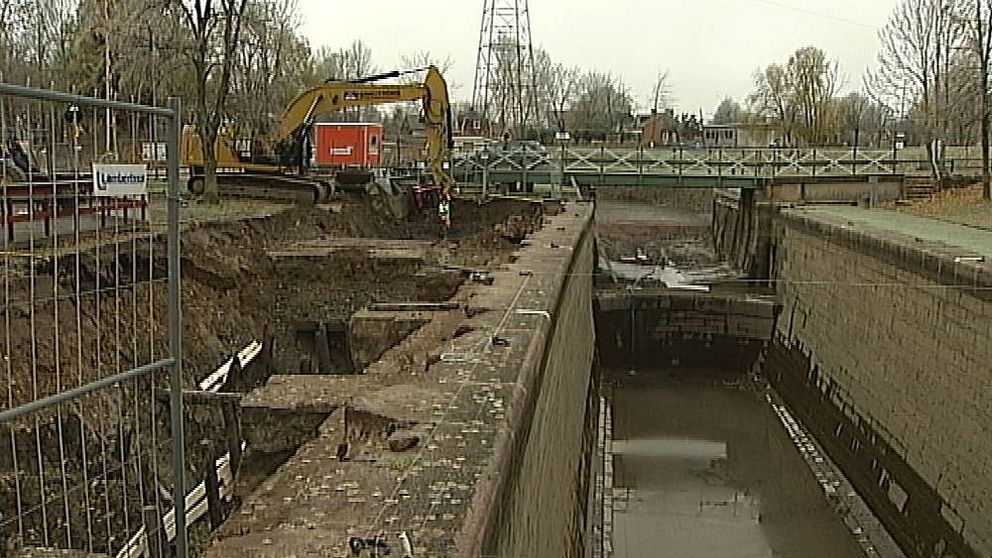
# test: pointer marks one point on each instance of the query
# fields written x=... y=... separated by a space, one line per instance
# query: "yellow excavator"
x=280 y=168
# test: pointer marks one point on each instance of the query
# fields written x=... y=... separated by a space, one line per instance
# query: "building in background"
x=742 y=135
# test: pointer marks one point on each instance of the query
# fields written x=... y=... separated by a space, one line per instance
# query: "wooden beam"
x=198 y=397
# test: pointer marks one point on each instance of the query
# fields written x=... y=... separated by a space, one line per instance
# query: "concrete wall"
x=668 y=329
x=897 y=340
x=699 y=200
x=852 y=189
x=741 y=229
x=540 y=506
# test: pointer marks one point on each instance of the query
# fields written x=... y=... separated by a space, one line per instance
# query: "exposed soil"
x=233 y=292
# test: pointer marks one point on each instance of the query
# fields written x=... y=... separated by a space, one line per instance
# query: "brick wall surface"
x=546 y=514
x=692 y=199
x=912 y=353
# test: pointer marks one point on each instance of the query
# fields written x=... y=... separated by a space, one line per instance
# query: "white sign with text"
x=119 y=180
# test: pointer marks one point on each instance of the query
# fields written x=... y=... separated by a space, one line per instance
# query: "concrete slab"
x=969 y=240
x=54 y=553
x=307 y=393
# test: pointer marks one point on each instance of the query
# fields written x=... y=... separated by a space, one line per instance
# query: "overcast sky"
x=711 y=48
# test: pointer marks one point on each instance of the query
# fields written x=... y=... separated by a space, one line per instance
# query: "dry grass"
x=961 y=205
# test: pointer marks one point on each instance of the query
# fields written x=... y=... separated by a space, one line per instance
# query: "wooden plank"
x=376 y=248
x=196 y=397
x=414 y=306
x=358 y=242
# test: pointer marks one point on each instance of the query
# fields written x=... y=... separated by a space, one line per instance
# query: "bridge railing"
x=729 y=162
x=759 y=162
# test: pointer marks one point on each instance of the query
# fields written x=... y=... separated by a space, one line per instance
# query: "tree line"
x=236 y=63
x=800 y=99
x=931 y=86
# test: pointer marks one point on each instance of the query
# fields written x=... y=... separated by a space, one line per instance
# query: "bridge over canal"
x=750 y=168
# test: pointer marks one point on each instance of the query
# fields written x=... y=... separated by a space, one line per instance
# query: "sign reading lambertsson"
x=119 y=180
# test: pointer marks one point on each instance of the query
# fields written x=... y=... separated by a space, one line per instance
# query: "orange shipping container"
x=346 y=144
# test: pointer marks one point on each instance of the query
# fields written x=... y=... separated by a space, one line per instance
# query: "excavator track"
x=274 y=187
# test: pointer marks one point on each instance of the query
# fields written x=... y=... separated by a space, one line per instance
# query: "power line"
x=775 y=4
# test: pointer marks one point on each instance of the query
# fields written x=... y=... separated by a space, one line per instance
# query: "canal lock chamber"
x=697 y=451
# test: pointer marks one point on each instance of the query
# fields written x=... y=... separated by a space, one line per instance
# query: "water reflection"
x=712 y=474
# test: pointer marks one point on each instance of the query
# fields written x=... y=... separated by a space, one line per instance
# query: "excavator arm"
x=334 y=96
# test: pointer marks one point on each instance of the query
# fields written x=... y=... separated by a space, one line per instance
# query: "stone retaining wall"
x=897 y=336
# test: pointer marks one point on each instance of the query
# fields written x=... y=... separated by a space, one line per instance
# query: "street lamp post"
x=562 y=138
x=484 y=157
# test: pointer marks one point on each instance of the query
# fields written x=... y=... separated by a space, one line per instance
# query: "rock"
x=403 y=440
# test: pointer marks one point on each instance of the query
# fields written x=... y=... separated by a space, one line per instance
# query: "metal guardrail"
x=90 y=330
x=715 y=162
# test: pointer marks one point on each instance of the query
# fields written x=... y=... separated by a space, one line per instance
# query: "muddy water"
x=712 y=474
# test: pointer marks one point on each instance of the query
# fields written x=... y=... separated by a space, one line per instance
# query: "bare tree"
x=771 y=98
x=511 y=96
x=555 y=90
x=215 y=29
x=812 y=82
x=601 y=107
x=661 y=93
x=799 y=95
x=561 y=92
x=919 y=44
x=272 y=67
x=328 y=64
x=979 y=27
x=728 y=112
x=425 y=58
x=358 y=60
x=352 y=62
x=859 y=120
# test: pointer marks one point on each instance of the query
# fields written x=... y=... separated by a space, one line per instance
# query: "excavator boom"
x=333 y=96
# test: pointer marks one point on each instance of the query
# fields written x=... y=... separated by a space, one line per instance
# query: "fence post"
x=153 y=530
x=175 y=331
x=233 y=433
x=523 y=170
x=640 y=165
x=215 y=510
x=602 y=158
x=895 y=157
x=854 y=159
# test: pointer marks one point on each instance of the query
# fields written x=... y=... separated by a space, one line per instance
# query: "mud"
x=658 y=234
